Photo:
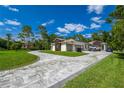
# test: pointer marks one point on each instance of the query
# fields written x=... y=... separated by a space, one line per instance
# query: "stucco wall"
x=53 y=47
x=69 y=47
x=63 y=47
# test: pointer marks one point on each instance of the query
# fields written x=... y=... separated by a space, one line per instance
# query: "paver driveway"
x=50 y=71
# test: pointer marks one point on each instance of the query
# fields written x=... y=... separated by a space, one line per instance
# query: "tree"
x=118 y=13
x=16 y=46
x=52 y=37
x=104 y=36
x=45 y=37
x=27 y=33
x=9 y=38
x=37 y=44
x=3 y=43
x=21 y=36
x=79 y=37
x=116 y=18
x=95 y=36
x=43 y=32
x=118 y=35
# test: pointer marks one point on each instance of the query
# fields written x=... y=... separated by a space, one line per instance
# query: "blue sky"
x=61 y=20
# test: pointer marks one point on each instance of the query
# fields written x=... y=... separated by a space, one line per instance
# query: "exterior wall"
x=69 y=47
x=83 y=47
x=77 y=46
x=73 y=48
x=57 y=46
x=63 y=47
x=53 y=47
x=104 y=46
x=86 y=47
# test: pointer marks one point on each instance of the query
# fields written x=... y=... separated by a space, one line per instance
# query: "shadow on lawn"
x=120 y=55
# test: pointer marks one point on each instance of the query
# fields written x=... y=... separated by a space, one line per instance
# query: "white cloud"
x=58 y=33
x=12 y=22
x=61 y=34
x=87 y=35
x=14 y=28
x=48 y=22
x=75 y=27
x=1 y=23
x=11 y=8
x=80 y=28
x=8 y=29
x=62 y=30
x=97 y=20
x=94 y=26
x=72 y=27
x=95 y=8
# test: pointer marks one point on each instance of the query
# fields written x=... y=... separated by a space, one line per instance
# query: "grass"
x=109 y=73
x=15 y=59
x=70 y=54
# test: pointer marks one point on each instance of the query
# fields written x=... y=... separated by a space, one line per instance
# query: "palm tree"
x=9 y=38
x=27 y=32
x=21 y=36
x=43 y=32
x=45 y=37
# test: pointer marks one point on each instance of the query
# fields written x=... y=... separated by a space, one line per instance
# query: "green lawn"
x=14 y=59
x=109 y=73
x=70 y=54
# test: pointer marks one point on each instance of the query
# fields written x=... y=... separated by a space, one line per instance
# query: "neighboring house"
x=97 y=45
x=72 y=45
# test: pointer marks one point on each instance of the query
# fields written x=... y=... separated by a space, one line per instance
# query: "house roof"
x=59 y=39
x=95 y=42
x=72 y=41
x=69 y=41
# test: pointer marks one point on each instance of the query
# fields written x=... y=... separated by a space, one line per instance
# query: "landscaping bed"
x=64 y=53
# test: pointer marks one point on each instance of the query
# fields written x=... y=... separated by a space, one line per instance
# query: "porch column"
x=73 y=48
x=82 y=47
x=87 y=46
x=105 y=47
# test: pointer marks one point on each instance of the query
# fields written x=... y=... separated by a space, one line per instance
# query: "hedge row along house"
x=76 y=46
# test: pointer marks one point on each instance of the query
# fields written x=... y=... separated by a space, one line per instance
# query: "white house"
x=68 y=45
x=72 y=45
